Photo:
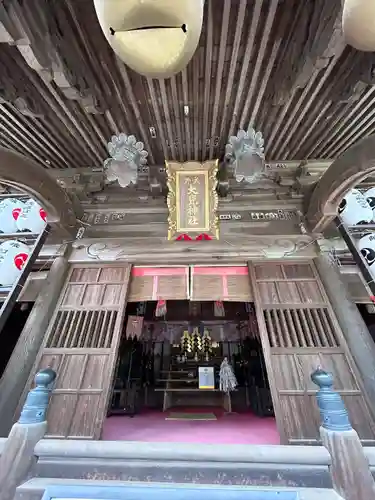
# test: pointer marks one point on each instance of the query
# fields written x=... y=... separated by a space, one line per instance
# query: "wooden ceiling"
x=279 y=65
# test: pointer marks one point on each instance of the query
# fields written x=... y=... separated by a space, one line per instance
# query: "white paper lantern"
x=13 y=257
x=366 y=245
x=10 y=211
x=358 y=24
x=32 y=219
x=354 y=209
x=370 y=198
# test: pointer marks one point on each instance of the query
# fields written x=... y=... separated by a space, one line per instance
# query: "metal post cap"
x=45 y=377
x=333 y=414
x=321 y=378
x=35 y=408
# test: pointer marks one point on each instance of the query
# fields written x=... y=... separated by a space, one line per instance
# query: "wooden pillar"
x=17 y=372
x=355 y=331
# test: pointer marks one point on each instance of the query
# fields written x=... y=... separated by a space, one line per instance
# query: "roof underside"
x=279 y=65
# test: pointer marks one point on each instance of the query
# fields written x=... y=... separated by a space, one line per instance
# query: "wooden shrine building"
x=200 y=206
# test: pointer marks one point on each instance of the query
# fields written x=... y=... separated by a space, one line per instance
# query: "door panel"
x=81 y=346
x=299 y=332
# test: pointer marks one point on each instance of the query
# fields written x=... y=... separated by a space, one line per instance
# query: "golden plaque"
x=192 y=199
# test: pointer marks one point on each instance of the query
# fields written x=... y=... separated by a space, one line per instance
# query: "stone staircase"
x=117 y=490
x=271 y=466
x=32 y=468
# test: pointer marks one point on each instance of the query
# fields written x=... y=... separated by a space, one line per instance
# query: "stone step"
x=34 y=489
x=276 y=466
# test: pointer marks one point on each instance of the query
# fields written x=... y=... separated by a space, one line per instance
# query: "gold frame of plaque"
x=192 y=199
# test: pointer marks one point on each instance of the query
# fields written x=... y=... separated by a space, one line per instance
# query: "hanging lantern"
x=10 y=210
x=13 y=257
x=161 y=308
x=358 y=24
x=154 y=38
x=354 y=209
x=370 y=198
x=33 y=218
x=366 y=246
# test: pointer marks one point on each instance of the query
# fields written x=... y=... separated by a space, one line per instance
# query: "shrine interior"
x=158 y=393
x=11 y=332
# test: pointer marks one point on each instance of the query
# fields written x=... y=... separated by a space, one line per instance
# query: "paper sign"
x=206 y=377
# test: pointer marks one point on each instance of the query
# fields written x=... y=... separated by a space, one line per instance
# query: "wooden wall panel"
x=229 y=284
x=299 y=332
x=81 y=346
x=159 y=283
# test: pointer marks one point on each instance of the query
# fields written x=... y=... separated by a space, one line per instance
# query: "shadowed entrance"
x=158 y=394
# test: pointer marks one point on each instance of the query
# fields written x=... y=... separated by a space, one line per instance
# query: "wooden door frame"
x=114 y=352
x=343 y=343
x=266 y=344
x=267 y=351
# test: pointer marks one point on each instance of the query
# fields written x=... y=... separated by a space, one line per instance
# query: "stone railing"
x=348 y=465
x=17 y=455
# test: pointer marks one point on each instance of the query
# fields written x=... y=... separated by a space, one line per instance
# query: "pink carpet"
x=151 y=426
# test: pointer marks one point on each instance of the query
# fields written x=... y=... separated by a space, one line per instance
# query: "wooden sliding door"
x=299 y=332
x=81 y=346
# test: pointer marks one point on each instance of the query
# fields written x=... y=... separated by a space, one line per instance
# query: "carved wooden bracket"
x=357 y=163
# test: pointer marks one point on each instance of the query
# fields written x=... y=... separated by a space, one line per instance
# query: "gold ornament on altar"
x=206 y=342
x=193 y=343
x=156 y=38
x=185 y=342
x=192 y=200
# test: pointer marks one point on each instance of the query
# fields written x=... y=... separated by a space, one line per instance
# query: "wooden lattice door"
x=81 y=346
x=299 y=332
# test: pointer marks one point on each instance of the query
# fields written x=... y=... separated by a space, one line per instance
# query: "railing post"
x=351 y=475
x=18 y=453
